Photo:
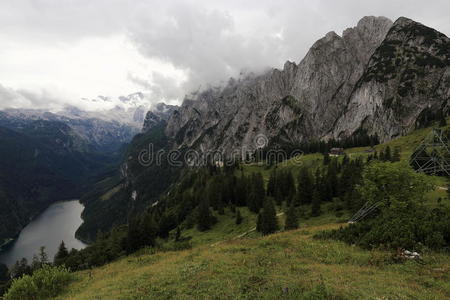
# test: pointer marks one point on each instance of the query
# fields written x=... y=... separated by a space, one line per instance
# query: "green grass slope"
x=234 y=262
x=288 y=265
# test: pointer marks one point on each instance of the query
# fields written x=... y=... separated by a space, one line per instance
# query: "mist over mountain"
x=379 y=80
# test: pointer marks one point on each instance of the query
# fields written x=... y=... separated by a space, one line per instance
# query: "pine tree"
x=291 y=221
x=241 y=191
x=238 y=217
x=315 y=207
x=20 y=268
x=332 y=179
x=4 y=273
x=253 y=202
x=43 y=257
x=178 y=234
x=396 y=155
x=257 y=193
x=220 y=208
x=326 y=158
x=166 y=224
x=387 y=154
x=267 y=219
x=442 y=120
x=61 y=255
x=346 y=180
x=375 y=155
x=213 y=193
x=279 y=196
x=204 y=217
x=149 y=230
x=272 y=184
x=259 y=222
x=304 y=189
x=289 y=186
x=35 y=263
x=258 y=186
x=134 y=234
x=382 y=157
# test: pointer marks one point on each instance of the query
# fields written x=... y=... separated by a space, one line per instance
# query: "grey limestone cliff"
x=299 y=103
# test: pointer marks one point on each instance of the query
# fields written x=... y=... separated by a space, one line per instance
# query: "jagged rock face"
x=409 y=75
x=301 y=102
x=161 y=112
x=332 y=67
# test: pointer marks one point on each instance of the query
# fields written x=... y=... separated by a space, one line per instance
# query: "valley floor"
x=287 y=265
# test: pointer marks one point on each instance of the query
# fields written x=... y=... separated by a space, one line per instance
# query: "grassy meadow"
x=235 y=262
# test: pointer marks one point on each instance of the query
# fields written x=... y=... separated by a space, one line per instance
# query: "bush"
x=402 y=220
x=45 y=283
x=405 y=228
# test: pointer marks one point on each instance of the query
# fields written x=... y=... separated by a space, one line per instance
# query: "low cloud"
x=36 y=99
x=206 y=41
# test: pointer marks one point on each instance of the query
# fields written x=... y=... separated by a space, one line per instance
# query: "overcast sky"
x=55 y=52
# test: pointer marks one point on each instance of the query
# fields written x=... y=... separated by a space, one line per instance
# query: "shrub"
x=402 y=220
x=44 y=283
x=179 y=246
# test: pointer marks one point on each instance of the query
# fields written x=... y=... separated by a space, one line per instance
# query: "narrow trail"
x=442 y=188
x=240 y=235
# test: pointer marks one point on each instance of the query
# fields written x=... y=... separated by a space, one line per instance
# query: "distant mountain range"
x=42 y=162
x=45 y=156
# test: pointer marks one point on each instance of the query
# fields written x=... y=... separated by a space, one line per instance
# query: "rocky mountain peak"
x=161 y=112
x=311 y=100
x=406 y=81
x=370 y=23
x=404 y=21
x=330 y=36
x=289 y=67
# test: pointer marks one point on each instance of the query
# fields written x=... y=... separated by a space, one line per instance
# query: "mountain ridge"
x=321 y=86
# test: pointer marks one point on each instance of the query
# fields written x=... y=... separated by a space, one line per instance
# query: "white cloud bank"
x=55 y=52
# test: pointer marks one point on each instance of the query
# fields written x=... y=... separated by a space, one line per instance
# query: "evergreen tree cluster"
x=428 y=117
x=386 y=155
x=281 y=186
x=359 y=139
x=4 y=278
x=335 y=182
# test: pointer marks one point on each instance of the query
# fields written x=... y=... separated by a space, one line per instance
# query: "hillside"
x=289 y=265
x=235 y=262
x=42 y=162
x=22 y=195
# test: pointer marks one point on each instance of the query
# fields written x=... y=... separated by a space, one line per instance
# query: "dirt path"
x=241 y=235
x=442 y=188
